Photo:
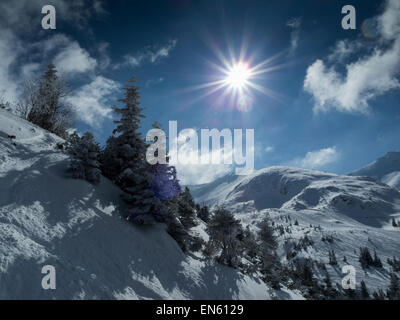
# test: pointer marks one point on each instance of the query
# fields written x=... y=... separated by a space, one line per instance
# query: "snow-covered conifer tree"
x=223 y=230
x=46 y=104
x=393 y=292
x=163 y=177
x=85 y=157
x=186 y=208
x=125 y=161
x=204 y=214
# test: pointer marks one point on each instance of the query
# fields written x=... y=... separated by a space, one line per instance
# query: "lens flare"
x=238 y=76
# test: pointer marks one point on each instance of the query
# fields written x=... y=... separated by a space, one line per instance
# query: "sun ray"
x=237 y=77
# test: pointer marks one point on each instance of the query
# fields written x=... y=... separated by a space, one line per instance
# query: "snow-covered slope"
x=47 y=218
x=337 y=212
x=385 y=169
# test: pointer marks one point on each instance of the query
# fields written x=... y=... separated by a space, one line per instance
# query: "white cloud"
x=20 y=60
x=389 y=21
x=269 y=149
x=74 y=59
x=294 y=24
x=23 y=57
x=316 y=159
x=343 y=50
x=151 y=54
x=193 y=172
x=152 y=82
x=29 y=70
x=9 y=45
x=91 y=100
x=364 y=79
x=104 y=60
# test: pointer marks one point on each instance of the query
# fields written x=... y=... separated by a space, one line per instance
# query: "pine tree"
x=127 y=165
x=45 y=104
x=332 y=258
x=270 y=263
x=365 y=258
x=364 y=290
x=223 y=230
x=163 y=177
x=393 y=292
x=377 y=262
x=306 y=273
x=204 y=214
x=268 y=244
x=174 y=226
x=186 y=209
x=85 y=157
x=327 y=280
x=164 y=182
x=395 y=264
x=380 y=295
x=250 y=247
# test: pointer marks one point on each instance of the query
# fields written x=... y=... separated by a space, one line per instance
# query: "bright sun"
x=238 y=76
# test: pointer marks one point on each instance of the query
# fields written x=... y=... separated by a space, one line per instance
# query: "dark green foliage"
x=365 y=258
x=186 y=209
x=394 y=263
x=249 y=244
x=181 y=218
x=46 y=106
x=377 y=262
x=332 y=258
x=84 y=162
x=124 y=162
x=364 y=290
x=223 y=230
x=393 y=292
x=380 y=295
x=163 y=177
x=203 y=213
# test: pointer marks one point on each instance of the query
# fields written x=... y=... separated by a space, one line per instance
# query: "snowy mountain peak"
x=358 y=198
x=319 y=213
x=385 y=169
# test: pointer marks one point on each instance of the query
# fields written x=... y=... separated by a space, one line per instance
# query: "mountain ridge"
x=385 y=169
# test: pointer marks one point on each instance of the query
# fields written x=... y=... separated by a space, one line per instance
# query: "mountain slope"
x=47 y=218
x=385 y=169
x=335 y=212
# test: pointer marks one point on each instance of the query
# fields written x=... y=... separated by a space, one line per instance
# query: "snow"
x=355 y=211
x=385 y=169
x=47 y=218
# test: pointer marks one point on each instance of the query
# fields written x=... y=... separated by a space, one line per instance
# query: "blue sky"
x=336 y=92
